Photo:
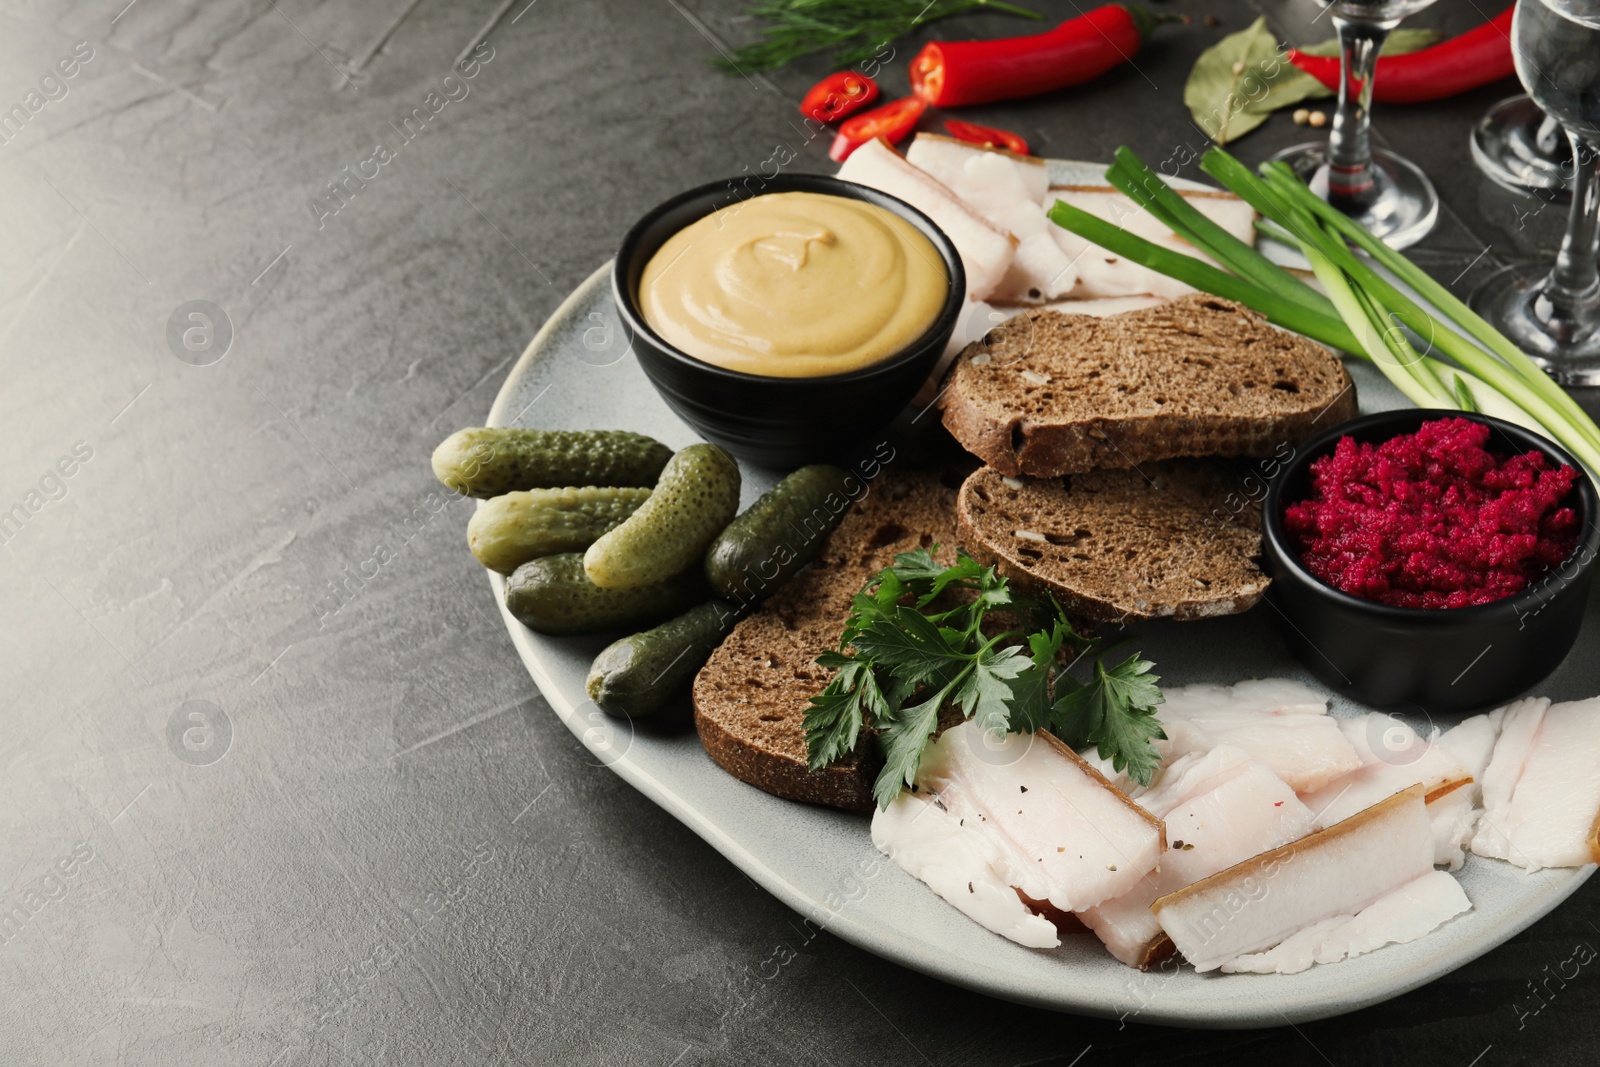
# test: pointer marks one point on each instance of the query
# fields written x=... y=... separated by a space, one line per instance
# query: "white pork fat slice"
x=1102 y=274
x=1279 y=722
x=985 y=250
x=1005 y=190
x=1220 y=808
x=961 y=864
x=1393 y=756
x=1541 y=791
x=1471 y=743
x=1039 y=271
x=1066 y=835
x=1293 y=954
x=1455 y=815
x=1414 y=910
x=946 y=158
x=1257 y=904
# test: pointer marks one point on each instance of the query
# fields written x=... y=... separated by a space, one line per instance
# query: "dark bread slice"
x=750 y=698
x=1176 y=540
x=1048 y=393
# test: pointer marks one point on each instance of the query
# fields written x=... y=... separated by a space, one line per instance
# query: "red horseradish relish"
x=1432 y=519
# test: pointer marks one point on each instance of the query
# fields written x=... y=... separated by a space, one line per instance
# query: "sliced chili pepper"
x=988 y=136
x=953 y=73
x=1477 y=57
x=838 y=95
x=892 y=122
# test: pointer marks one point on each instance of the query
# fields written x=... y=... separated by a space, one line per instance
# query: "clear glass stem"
x=1574 y=285
x=1350 y=182
x=1549 y=136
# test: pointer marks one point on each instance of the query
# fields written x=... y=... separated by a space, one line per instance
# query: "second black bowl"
x=1445 y=660
x=779 y=422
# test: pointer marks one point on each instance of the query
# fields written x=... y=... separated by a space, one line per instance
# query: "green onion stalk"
x=1467 y=365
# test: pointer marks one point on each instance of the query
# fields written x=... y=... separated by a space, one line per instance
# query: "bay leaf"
x=1240 y=80
x=1243 y=78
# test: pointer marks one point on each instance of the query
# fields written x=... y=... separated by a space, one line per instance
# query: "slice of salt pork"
x=1455 y=814
x=1065 y=835
x=1278 y=722
x=1101 y=273
x=1005 y=189
x=1414 y=910
x=1471 y=743
x=1541 y=791
x=1255 y=905
x=986 y=250
x=1220 y=808
x=949 y=159
x=961 y=863
x=1394 y=756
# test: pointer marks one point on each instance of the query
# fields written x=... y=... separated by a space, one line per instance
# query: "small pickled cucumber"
x=552 y=595
x=635 y=676
x=490 y=461
x=510 y=530
x=778 y=534
x=697 y=494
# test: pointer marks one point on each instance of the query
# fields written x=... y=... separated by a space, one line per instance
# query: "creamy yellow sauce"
x=794 y=285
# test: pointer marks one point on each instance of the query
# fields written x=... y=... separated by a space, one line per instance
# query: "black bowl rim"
x=943 y=325
x=1276 y=539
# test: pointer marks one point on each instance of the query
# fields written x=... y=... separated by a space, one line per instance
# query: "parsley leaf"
x=904 y=741
x=1030 y=689
x=985 y=695
x=918 y=565
x=1116 y=714
x=910 y=646
x=902 y=660
x=837 y=714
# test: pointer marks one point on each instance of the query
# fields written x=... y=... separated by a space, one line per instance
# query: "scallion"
x=1360 y=312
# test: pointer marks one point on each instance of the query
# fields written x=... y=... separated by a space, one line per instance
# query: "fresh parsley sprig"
x=915 y=642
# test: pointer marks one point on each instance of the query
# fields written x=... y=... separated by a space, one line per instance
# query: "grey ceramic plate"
x=578 y=374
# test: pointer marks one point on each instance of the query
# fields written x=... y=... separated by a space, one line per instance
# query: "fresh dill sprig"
x=856 y=29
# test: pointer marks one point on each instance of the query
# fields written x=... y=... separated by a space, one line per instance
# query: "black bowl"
x=1446 y=660
x=779 y=422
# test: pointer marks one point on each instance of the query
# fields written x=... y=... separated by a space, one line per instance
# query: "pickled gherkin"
x=509 y=530
x=778 y=534
x=553 y=596
x=635 y=676
x=696 y=496
x=491 y=461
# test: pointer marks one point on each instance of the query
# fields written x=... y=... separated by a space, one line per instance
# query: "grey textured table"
x=276 y=789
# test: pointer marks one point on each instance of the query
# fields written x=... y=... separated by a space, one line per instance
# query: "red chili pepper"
x=892 y=122
x=838 y=95
x=1477 y=57
x=988 y=136
x=952 y=73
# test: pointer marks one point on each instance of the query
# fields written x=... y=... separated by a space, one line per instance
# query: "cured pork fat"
x=1541 y=791
x=1257 y=904
x=1220 y=808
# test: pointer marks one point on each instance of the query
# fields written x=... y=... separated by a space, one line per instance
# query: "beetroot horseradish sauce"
x=1432 y=519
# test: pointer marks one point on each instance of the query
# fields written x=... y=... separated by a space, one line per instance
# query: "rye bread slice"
x=1165 y=541
x=750 y=698
x=1048 y=393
